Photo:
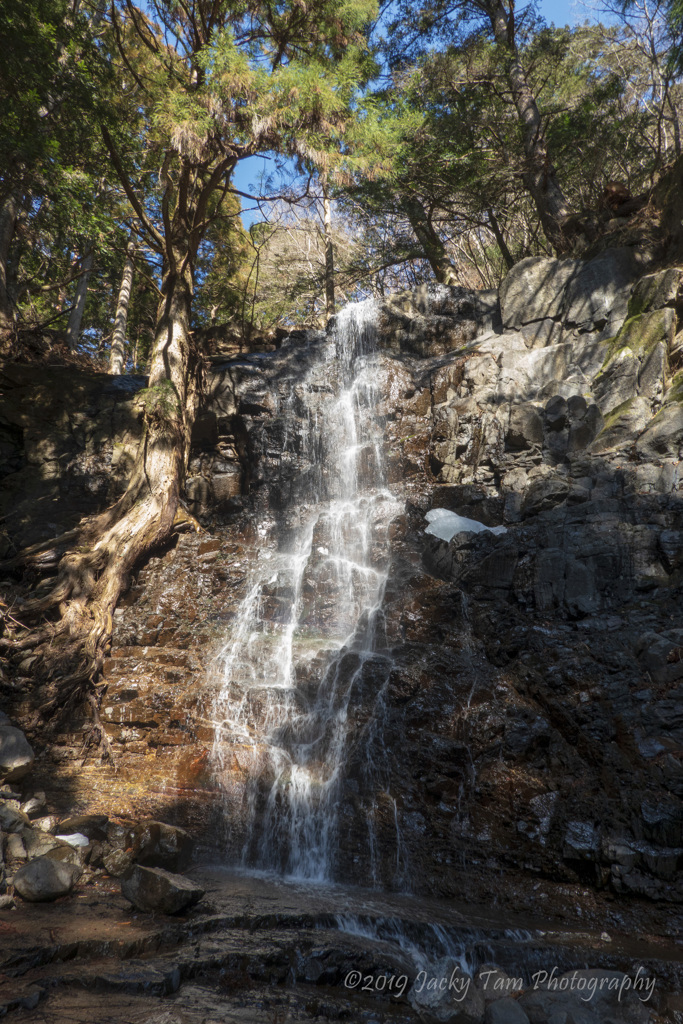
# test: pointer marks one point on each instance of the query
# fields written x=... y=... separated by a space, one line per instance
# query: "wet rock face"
x=531 y=685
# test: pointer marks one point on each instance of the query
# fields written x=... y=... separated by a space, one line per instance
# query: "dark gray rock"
x=45 y=879
x=154 y=890
x=12 y=819
x=663 y=437
x=656 y=290
x=16 y=754
x=597 y=292
x=158 y=845
x=525 y=427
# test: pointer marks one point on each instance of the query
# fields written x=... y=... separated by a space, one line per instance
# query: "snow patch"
x=446 y=525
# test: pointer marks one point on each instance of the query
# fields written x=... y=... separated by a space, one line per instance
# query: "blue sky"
x=558 y=12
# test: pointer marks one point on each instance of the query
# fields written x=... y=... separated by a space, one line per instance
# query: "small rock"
x=45 y=879
x=117 y=863
x=157 y=845
x=15 y=847
x=7 y=902
x=46 y=823
x=11 y=819
x=16 y=754
x=153 y=889
x=35 y=805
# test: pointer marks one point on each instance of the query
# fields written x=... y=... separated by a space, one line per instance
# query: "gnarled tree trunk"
x=106 y=547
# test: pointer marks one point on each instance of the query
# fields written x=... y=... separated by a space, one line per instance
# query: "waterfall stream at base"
x=307 y=639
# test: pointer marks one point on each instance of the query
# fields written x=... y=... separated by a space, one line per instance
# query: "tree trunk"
x=329 y=254
x=97 y=568
x=500 y=239
x=432 y=246
x=73 y=330
x=9 y=214
x=539 y=177
x=118 y=338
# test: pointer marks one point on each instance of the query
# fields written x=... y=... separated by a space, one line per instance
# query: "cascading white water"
x=291 y=680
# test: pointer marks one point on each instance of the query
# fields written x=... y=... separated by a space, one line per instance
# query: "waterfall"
x=305 y=667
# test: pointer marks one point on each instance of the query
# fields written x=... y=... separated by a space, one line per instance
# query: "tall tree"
x=209 y=84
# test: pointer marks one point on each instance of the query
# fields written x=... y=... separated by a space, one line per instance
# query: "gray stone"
x=157 y=845
x=618 y=381
x=12 y=819
x=664 y=435
x=16 y=754
x=597 y=292
x=581 y=841
x=542 y=333
x=525 y=427
x=623 y=425
x=15 y=847
x=155 y=890
x=505 y=1011
x=656 y=290
x=534 y=290
x=44 y=879
x=117 y=862
x=39 y=843
x=556 y=413
x=543 y=494
x=34 y=805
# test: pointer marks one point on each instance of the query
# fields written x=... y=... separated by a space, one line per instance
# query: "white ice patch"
x=445 y=524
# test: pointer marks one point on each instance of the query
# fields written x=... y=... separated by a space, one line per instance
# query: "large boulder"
x=154 y=890
x=597 y=293
x=16 y=754
x=534 y=290
x=157 y=845
x=656 y=290
x=45 y=879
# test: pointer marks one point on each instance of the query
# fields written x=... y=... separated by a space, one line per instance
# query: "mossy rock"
x=641 y=333
x=655 y=291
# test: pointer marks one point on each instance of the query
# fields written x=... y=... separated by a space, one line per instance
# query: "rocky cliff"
x=534 y=708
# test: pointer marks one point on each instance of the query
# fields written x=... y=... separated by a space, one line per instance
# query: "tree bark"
x=432 y=246
x=500 y=239
x=97 y=568
x=73 y=330
x=9 y=214
x=118 y=338
x=540 y=178
x=329 y=254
